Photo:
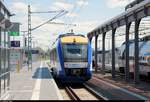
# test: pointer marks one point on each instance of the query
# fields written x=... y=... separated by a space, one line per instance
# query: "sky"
x=86 y=14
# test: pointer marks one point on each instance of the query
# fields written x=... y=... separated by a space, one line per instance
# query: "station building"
x=4 y=49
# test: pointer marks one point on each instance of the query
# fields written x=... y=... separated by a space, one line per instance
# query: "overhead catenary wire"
x=61 y=13
x=47 y=11
x=76 y=11
x=80 y=7
x=66 y=27
x=61 y=23
x=58 y=15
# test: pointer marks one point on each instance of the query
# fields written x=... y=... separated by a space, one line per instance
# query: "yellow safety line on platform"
x=18 y=67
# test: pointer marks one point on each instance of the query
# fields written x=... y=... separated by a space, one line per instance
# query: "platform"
x=118 y=89
x=37 y=84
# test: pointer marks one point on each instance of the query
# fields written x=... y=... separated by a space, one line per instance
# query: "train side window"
x=143 y=58
x=123 y=55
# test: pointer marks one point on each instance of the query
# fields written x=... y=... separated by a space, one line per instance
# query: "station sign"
x=14 y=31
x=15 y=43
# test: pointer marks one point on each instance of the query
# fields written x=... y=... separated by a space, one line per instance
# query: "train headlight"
x=148 y=60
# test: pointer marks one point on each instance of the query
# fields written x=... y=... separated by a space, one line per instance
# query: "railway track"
x=82 y=93
x=71 y=93
x=142 y=77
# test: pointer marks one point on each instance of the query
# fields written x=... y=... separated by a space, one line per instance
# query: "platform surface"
x=37 y=84
x=118 y=89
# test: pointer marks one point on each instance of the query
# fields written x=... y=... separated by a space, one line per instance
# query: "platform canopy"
x=5 y=17
x=139 y=11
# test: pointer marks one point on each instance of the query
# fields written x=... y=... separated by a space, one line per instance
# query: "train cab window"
x=75 y=52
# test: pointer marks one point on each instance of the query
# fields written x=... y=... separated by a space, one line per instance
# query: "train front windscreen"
x=75 y=52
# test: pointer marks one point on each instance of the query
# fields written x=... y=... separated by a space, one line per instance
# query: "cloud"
x=36 y=20
x=61 y=5
x=72 y=15
x=20 y=7
x=82 y=2
x=117 y=3
x=85 y=26
x=47 y=34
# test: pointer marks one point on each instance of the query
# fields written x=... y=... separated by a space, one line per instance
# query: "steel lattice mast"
x=60 y=13
x=29 y=39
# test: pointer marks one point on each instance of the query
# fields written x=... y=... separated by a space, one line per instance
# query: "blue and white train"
x=71 y=58
x=144 y=57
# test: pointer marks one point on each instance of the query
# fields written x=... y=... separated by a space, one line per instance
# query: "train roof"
x=71 y=38
x=70 y=34
x=145 y=38
x=130 y=41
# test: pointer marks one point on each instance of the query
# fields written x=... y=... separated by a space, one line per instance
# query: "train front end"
x=77 y=59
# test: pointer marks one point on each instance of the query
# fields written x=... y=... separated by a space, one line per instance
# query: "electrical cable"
x=58 y=15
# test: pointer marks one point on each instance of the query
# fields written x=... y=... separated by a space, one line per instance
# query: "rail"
x=71 y=93
x=76 y=96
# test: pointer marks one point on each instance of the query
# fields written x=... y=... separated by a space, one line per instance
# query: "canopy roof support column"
x=127 y=51
x=113 y=53
x=136 y=49
x=103 y=58
x=96 y=37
